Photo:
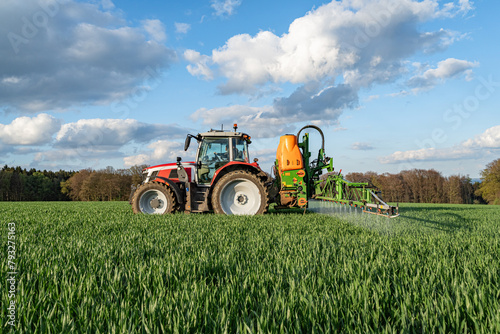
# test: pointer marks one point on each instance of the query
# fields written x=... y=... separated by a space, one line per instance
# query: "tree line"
x=109 y=184
x=422 y=186
x=102 y=185
x=430 y=186
x=18 y=184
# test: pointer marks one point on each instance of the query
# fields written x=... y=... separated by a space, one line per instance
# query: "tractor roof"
x=222 y=133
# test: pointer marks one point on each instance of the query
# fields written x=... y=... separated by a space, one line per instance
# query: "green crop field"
x=97 y=268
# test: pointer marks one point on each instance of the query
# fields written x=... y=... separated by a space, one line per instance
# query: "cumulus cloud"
x=331 y=53
x=225 y=7
x=58 y=54
x=359 y=38
x=36 y=130
x=488 y=141
x=112 y=133
x=88 y=141
x=199 y=66
x=445 y=69
x=161 y=151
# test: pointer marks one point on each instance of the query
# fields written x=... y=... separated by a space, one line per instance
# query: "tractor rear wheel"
x=153 y=198
x=240 y=193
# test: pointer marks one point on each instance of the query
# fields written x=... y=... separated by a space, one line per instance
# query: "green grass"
x=97 y=268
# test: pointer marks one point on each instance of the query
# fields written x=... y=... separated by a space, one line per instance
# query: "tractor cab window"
x=240 y=150
x=213 y=154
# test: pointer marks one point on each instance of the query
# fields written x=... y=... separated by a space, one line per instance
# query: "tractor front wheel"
x=153 y=198
x=240 y=193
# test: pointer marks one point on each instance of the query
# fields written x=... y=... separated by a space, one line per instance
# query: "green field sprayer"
x=222 y=179
x=298 y=179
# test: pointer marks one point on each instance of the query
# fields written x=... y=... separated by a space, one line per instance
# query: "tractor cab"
x=216 y=149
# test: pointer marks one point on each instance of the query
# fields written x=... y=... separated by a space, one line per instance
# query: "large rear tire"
x=153 y=198
x=240 y=193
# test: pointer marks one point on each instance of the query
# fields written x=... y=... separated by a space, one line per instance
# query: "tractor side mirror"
x=187 y=142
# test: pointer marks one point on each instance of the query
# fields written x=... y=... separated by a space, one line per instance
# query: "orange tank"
x=288 y=154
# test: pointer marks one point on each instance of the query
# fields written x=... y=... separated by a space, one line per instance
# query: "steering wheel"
x=217 y=157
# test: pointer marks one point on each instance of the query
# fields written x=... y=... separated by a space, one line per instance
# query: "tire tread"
x=158 y=186
x=217 y=207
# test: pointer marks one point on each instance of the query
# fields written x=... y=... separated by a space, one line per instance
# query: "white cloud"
x=249 y=61
x=83 y=55
x=88 y=141
x=488 y=139
x=452 y=9
x=24 y=130
x=200 y=67
x=12 y=80
x=332 y=52
x=161 y=151
x=363 y=41
x=478 y=146
x=445 y=69
x=225 y=7
x=112 y=133
x=182 y=28
x=156 y=30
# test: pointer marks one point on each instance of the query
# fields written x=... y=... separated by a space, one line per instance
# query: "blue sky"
x=395 y=85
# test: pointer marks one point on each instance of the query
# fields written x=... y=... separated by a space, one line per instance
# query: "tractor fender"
x=252 y=167
x=175 y=188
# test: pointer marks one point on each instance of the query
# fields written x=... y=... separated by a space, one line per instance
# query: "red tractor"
x=221 y=179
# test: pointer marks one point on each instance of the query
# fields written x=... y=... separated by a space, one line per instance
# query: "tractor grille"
x=173 y=174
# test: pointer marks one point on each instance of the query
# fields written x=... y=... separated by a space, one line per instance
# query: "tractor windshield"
x=213 y=154
x=216 y=152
